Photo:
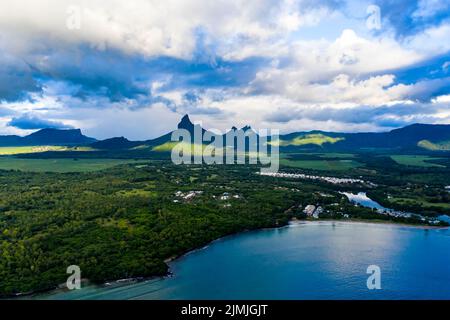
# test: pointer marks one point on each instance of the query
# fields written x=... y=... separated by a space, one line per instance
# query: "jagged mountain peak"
x=185 y=123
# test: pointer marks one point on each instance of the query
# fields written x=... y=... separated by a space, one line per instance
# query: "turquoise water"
x=362 y=199
x=311 y=260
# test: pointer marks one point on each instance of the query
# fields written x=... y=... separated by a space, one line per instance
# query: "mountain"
x=185 y=124
x=119 y=143
x=10 y=141
x=415 y=137
x=164 y=143
x=160 y=143
x=47 y=137
x=56 y=136
x=412 y=137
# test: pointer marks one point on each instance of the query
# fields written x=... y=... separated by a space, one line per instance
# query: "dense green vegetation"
x=424 y=199
x=117 y=217
x=121 y=222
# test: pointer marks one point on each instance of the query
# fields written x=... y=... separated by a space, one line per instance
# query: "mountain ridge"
x=412 y=137
x=47 y=136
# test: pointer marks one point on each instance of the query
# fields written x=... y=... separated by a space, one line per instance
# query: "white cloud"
x=427 y=8
x=153 y=27
x=352 y=71
x=442 y=99
x=432 y=41
x=337 y=72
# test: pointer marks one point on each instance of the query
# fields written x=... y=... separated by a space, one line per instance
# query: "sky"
x=134 y=68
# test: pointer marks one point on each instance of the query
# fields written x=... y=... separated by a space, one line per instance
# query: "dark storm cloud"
x=87 y=73
x=31 y=122
x=16 y=79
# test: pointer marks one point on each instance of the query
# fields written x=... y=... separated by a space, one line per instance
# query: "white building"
x=309 y=210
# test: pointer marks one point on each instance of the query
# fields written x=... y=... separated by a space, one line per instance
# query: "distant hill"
x=119 y=143
x=416 y=137
x=47 y=137
x=413 y=137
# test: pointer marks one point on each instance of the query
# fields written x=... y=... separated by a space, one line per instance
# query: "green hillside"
x=437 y=146
x=315 y=139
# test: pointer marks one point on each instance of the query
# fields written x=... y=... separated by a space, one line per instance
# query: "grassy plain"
x=422 y=202
x=59 y=165
x=328 y=165
x=416 y=161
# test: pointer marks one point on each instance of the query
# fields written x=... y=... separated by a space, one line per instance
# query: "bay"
x=305 y=260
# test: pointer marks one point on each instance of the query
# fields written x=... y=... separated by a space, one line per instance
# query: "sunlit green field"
x=168 y=146
x=438 y=146
x=58 y=165
x=38 y=149
x=329 y=165
x=314 y=139
x=416 y=161
x=420 y=201
x=136 y=193
x=29 y=149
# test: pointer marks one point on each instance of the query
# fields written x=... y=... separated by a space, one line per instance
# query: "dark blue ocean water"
x=312 y=260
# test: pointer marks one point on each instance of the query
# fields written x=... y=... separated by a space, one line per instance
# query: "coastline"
x=126 y=281
x=382 y=222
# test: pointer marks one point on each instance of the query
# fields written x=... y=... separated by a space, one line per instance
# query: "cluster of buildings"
x=227 y=196
x=186 y=196
x=401 y=214
x=190 y=195
x=313 y=212
x=332 y=180
x=396 y=214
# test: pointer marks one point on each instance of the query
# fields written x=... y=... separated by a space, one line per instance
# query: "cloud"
x=394 y=115
x=429 y=8
x=16 y=78
x=432 y=40
x=152 y=28
x=422 y=90
x=31 y=122
x=339 y=70
x=446 y=66
x=408 y=18
x=228 y=62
